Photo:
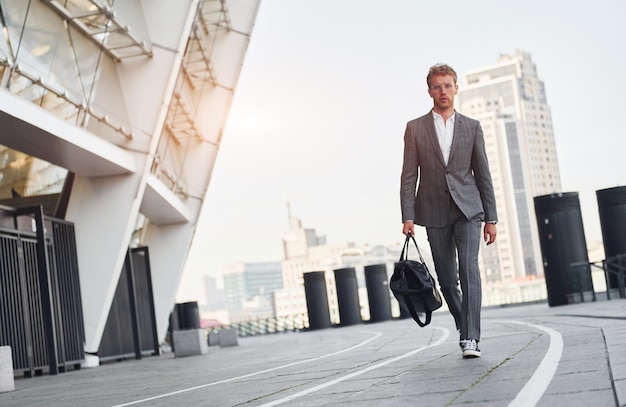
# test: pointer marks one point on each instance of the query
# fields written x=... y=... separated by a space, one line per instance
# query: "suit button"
x=446 y=191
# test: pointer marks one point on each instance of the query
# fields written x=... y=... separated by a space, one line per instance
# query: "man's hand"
x=490 y=233
x=408 y=227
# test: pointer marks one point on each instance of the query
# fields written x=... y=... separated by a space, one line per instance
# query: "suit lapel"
x=456 y=137
x=432 y=135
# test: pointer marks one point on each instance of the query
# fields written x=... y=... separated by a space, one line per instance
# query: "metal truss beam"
x=100 y=24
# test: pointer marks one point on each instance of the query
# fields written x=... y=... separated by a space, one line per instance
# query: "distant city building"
x=324 y=258
x=305 y=252
x=510 y=101
x=214 y=296
x=297 y=240
x=248 y=288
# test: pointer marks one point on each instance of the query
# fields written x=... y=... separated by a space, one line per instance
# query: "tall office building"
x=115 y=110
x=510 y=101
x=214 y=298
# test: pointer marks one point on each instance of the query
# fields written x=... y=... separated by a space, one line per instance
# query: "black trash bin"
x=188 y=315
x=184 y=316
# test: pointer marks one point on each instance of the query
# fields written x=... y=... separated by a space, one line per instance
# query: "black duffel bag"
x=413 y=286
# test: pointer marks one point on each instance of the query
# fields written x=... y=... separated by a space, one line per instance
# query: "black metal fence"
x=40 y=303
x=130 y=330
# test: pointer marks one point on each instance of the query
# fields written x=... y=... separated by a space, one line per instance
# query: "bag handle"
x=414 y=315
x=404 y=255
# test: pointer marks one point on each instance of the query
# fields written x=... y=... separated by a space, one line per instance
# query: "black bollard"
x=347 y=296
x=377 y=286
x=562 y=240
x=316 y=300
x=612 y=208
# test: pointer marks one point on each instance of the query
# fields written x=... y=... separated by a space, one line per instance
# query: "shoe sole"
x=471 y=354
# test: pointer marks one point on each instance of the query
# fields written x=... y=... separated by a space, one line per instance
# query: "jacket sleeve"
x=409 y=176
x=480 y=167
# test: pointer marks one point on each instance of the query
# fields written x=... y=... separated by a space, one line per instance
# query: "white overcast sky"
x=326 y=90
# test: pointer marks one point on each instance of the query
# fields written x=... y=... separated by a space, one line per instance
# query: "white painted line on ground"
x=446 y=333
x=538 y=383
x=358 y=345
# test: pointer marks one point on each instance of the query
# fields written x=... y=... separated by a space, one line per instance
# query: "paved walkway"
x=533 y=355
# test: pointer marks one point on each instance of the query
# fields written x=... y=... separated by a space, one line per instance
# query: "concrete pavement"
x=533 y=355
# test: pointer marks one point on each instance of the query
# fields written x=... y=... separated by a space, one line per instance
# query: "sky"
x=326 y=90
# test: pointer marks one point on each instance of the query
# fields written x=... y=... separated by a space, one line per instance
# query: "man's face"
x=442 y=89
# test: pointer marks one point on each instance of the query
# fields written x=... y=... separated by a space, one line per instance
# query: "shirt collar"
x=437 y=116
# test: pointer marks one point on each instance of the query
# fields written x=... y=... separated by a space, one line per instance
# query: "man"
x=446 y=151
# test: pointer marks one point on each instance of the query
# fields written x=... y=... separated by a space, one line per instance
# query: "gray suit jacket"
x=466 y=177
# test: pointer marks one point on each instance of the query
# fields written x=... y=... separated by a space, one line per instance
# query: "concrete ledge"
x=7 y=382
x=90 y=361
x=228 y=337
x=213 y=339
x=190 y=342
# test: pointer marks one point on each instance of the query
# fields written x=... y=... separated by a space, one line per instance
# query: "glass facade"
x=521 y=198
x=51 y=63
x=53 y=56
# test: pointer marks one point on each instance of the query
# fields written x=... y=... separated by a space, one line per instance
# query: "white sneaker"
x=470 y=349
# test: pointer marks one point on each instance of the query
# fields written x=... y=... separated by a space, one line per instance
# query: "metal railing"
x=266 y=326
x=614 y=269
x=580 y=280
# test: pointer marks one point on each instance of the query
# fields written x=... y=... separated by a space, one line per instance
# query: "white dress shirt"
x=445 y=132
